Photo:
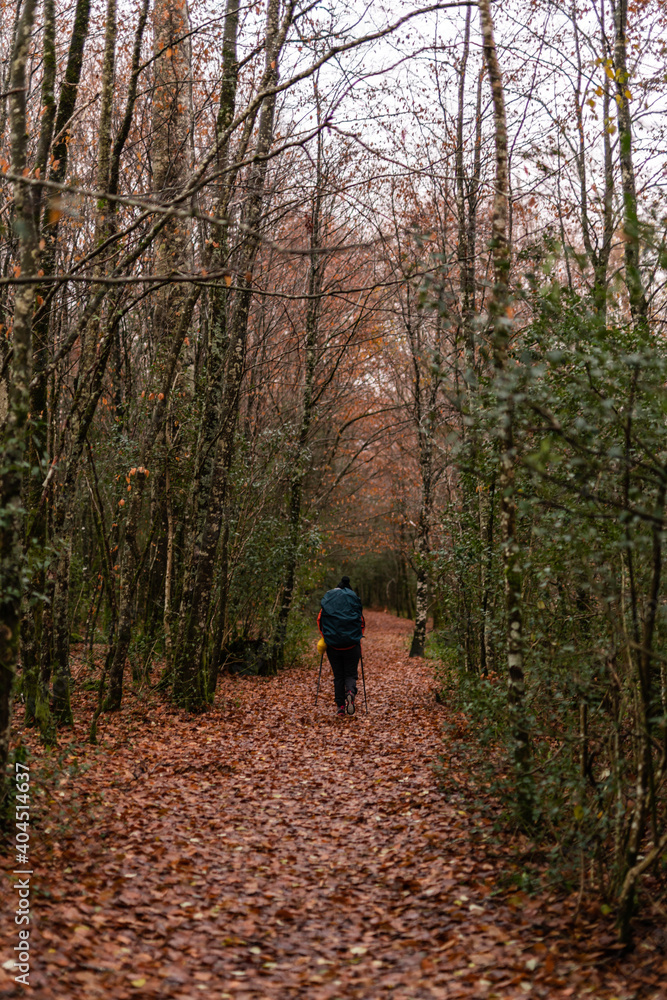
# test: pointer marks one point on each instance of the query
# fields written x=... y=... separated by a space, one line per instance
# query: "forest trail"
x=270 y=850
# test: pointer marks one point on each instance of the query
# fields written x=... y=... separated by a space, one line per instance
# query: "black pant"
x=344 y=663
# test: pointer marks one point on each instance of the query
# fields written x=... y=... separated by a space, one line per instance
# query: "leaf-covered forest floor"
x=270 y=850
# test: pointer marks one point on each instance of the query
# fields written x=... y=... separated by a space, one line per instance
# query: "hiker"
x=341 y=624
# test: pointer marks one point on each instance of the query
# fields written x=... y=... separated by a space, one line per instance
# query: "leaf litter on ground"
x=268 y=849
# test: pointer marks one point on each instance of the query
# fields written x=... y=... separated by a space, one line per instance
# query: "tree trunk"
x=500 y=313
x=465 y=254
x=205 y=457
x=90 y=336
x=189 y=682
x=647 y=710
x=174 y=304
x=315 y=274
x=597 y=252
x=129 y=558
x=37 y=514
x=18 y=403
x=426 y=413
x=171 y=150
x=36 y=697
x=633 y=278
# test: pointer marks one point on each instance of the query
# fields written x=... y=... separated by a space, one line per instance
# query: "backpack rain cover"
x=340 y=621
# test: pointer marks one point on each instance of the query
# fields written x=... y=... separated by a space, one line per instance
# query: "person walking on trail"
x=341 y=624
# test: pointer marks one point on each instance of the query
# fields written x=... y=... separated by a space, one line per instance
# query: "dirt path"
x=270 y=850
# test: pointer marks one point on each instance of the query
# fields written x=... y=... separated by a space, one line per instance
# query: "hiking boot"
x=349 y=702
x=340 y=710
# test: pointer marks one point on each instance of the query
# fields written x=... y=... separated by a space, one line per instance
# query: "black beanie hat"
x=345 y=582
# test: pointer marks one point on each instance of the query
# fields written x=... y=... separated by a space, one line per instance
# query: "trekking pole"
x=363 y=679
x=318 y=679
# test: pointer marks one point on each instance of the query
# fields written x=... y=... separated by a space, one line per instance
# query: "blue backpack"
x=340 y=619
